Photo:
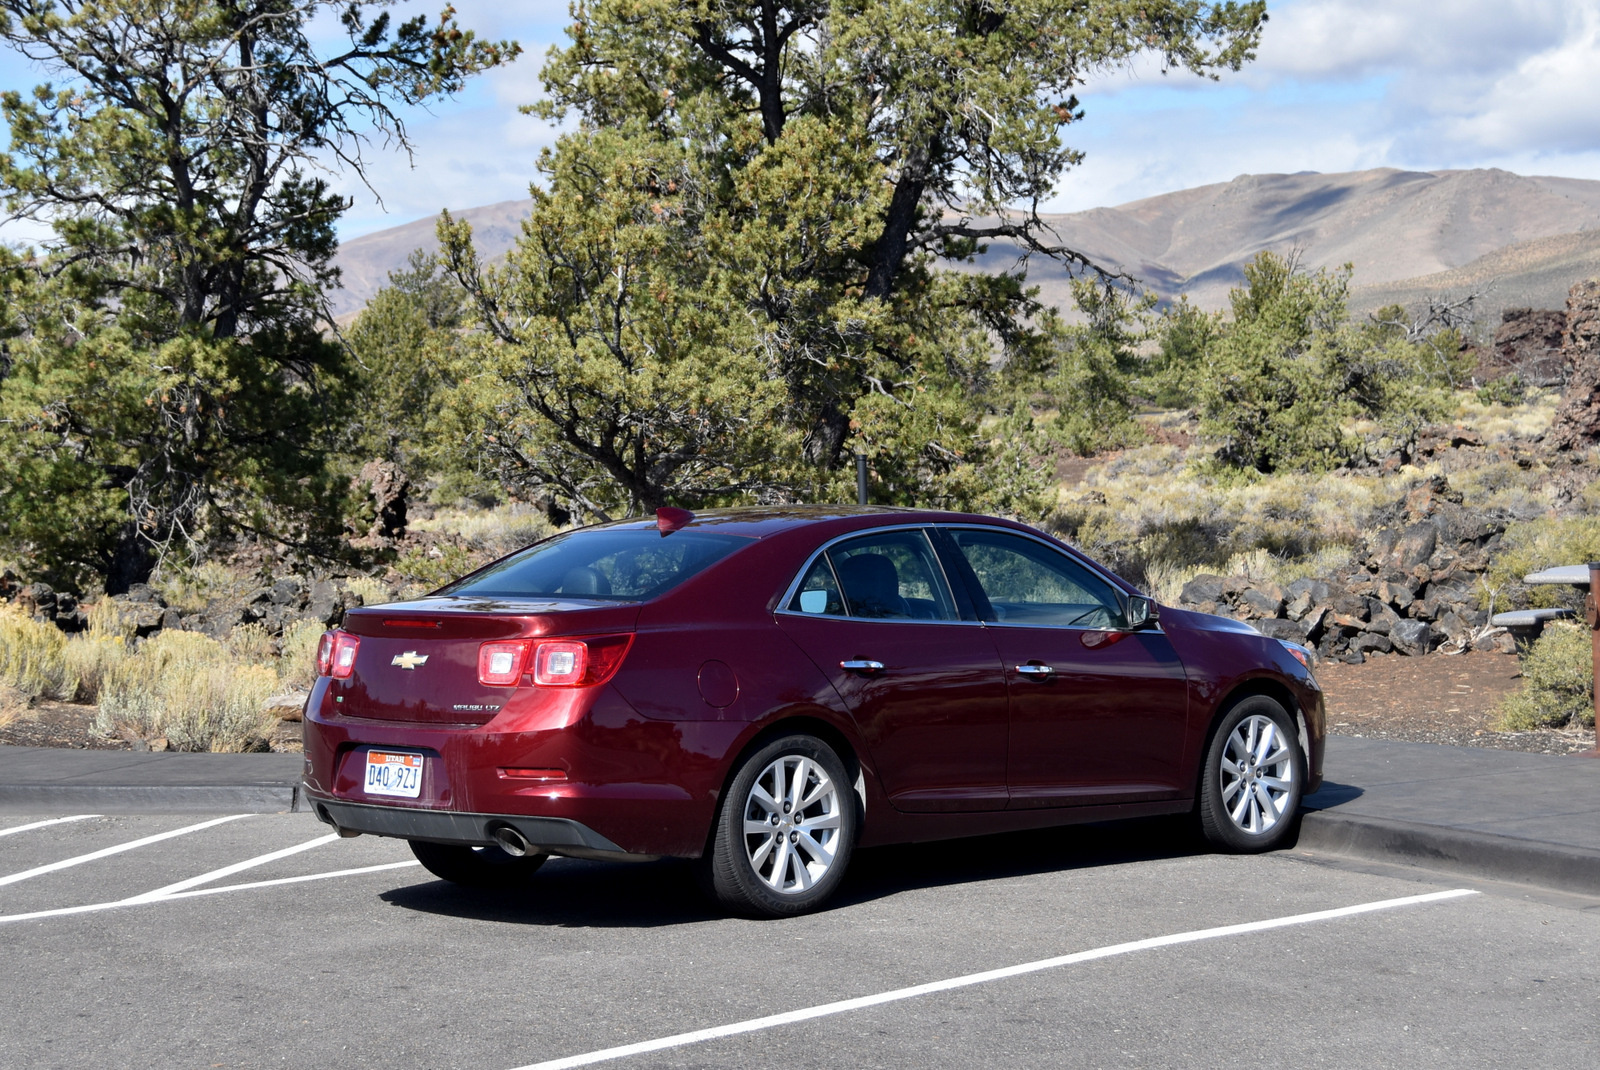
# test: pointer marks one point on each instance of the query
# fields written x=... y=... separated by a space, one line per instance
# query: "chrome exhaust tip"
x=511 y=841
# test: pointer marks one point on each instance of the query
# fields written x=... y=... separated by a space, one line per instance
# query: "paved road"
x=253 y=967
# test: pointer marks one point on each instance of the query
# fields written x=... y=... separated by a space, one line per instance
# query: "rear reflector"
x=533 y=774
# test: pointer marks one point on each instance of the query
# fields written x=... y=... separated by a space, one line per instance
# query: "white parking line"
x=118 y=849
x=140 y=900
x=294 y=880
x=700 y=1036
x=46 y=824
x=237 y=867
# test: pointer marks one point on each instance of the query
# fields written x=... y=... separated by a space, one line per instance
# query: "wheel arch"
x=797 y=724
x=1269 y=687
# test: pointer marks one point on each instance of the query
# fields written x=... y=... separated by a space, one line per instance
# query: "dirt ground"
x=1437 y=699
x=1442 y=698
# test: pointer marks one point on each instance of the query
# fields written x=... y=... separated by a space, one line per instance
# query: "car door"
x=1098 y=713
x=878 y=616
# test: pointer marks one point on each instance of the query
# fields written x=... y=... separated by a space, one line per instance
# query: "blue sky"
x=1339 y=85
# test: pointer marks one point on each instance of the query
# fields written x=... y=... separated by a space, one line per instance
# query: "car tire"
x=765 y=864
x=1254 y=773
x=476 y=867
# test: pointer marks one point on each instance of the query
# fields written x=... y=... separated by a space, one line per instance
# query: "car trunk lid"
x=418 y=661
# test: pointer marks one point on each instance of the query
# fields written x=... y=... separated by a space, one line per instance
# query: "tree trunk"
x=132 y=560
x=889 y=252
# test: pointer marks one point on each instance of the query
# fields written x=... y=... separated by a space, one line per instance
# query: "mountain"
x=1409 y=234
x=365 y=262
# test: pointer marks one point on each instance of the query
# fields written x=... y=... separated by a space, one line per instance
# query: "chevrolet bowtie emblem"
x=409 y=660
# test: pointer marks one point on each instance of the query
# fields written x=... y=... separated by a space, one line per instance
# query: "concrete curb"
x=150 y=799
x=1485 y=855
x=40 y=780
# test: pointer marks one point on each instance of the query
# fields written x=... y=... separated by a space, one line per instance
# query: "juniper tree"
x=945 y=117
x=166 y=364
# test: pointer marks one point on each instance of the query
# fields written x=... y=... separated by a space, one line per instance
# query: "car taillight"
x=500 y=664
x=553 y=662
x=560 y=664
x=336 y=654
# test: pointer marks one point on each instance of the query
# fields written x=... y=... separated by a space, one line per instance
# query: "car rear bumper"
x=636 y=787
x=550 y=835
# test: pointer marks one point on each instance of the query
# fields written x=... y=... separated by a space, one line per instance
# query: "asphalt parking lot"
x=259 y=941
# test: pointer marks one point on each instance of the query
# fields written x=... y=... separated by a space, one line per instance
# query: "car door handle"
x=1037 y=672
x=861 y=665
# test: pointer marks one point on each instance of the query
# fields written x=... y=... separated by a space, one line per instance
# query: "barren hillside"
x=1408 y=233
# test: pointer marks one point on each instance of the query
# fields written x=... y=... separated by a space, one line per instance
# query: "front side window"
x=605 y=564
x=1027 y=582
x=891 y=575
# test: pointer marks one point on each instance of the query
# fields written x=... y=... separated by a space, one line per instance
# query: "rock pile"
x=274 y=608
x=1414 y=589
x=1529 y=342
x=1577 y=422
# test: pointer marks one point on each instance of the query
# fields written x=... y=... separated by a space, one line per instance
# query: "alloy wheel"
x=1257 y=775
x=792 y=824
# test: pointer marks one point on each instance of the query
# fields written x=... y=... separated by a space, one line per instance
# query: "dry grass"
x=297 y=659
x=192 y=690
x=498 y=531
x=1500 y=423
x=33 y=658
x=1161 y=514
x=188 y=589
x=372 y=591
x=1167 y=514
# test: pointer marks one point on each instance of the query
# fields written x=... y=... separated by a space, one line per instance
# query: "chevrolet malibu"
x=766 y=690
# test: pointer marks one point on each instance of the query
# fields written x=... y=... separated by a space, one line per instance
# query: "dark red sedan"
x=767 y=689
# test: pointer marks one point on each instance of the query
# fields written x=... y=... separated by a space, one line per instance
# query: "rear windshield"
x=611 y=565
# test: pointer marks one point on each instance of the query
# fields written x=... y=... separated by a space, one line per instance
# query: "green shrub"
x=1558 y=683
x=1506 y=390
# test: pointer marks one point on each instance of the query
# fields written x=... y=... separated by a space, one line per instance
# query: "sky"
x=1338 y=85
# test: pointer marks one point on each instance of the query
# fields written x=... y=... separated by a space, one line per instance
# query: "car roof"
x=760 y=521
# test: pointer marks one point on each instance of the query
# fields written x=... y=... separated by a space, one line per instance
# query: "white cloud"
x=1350 y=84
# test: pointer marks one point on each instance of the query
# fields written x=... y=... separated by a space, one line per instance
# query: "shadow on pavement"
x=1331 y=795
x=572 y=893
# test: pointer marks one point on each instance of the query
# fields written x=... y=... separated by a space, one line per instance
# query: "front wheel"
x=785 y=830
x=476 y=867
x=1253 y=777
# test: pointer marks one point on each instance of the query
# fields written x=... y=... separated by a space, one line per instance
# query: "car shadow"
x=1330 y=795
x=577 y=894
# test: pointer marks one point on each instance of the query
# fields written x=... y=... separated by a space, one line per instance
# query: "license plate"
x=394 y=773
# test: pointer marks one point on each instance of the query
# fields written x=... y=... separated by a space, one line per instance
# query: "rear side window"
x=628 y=565
x=892 y=575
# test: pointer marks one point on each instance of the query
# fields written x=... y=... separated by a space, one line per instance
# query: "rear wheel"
x=476 y=867
x=785 y=830
x=1254 y=773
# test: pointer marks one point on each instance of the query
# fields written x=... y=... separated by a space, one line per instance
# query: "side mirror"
x=1142 y=612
